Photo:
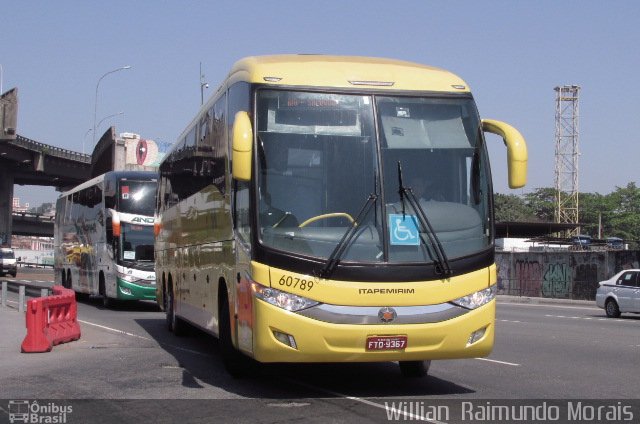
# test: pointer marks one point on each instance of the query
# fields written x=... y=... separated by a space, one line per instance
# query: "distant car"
x=581 y=242
x=615 y=243
x=620 y=293
x=7 y=261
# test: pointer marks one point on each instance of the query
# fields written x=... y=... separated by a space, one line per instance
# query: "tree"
x=542 y=202
x=616 y=214
x=625 y=213
x=509 y=207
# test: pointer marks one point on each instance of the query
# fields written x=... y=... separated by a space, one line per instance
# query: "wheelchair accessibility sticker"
x=404 y=230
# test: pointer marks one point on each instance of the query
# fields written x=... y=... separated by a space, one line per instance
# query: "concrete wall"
x=564 y=274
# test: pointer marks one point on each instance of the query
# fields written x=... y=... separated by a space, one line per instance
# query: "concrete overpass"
x=28 y=224
x=28 y=162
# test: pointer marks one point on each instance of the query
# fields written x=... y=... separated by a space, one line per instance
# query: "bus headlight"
x=287 y=301
x=477 y=299
x=128 y=278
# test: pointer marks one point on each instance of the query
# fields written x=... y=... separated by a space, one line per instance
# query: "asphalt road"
x=126 y=357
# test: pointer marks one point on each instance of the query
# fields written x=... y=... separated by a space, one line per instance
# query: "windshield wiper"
x=442 y=262
x=344 y=242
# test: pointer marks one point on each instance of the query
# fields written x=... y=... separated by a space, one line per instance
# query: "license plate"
x=386 y=342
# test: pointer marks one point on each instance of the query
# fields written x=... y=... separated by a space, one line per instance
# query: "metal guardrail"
x=23 y=290
x=38 y=216
x=33 y=265
x=50 y=150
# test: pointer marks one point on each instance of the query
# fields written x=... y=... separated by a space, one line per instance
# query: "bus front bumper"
x=312 y=340
x=132 y=291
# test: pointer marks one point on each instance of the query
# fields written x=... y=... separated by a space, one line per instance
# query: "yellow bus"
x=333 y=209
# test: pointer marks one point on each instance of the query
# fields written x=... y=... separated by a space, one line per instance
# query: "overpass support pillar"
x=6 y=206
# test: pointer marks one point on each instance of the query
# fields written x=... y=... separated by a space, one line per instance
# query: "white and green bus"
x=334 y=209
x=103 y=236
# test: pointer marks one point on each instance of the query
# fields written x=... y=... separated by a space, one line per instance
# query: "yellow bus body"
x=327 y=342
x=200 y=260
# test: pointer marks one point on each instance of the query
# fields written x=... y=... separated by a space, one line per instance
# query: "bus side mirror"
x=516 y=150
x=242 y=146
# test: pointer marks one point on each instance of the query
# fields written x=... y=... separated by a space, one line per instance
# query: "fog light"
x=476 y=335
x=286 y=339
x=125 y=290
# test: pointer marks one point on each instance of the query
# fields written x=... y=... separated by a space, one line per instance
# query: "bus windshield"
x=324 y=158
x=137 y=243
x=136 y=197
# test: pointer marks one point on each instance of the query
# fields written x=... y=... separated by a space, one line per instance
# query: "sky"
x=511 y=53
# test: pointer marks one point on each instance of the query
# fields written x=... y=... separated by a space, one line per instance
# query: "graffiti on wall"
x=528 y=277
x=557 y=280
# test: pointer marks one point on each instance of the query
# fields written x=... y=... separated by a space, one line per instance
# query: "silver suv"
x=7 y=261
x=620 y=293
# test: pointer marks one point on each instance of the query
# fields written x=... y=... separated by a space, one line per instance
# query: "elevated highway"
x=28 y=224
x=28 y=162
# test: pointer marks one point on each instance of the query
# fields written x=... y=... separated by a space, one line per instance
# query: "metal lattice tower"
x=566 y=178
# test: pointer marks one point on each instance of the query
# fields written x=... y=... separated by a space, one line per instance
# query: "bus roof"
x=344 y=72
x=143 y=175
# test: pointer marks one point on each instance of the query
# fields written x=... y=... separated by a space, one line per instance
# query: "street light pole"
x=84 y=138
x=107 y=117
x=95 y=107
x=203 y=85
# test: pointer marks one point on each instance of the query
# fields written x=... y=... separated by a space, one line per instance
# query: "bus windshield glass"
x=324 y=158
x=136 y=197
x=137 y=243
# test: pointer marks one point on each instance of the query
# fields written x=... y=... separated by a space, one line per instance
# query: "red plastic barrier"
x=51 y=320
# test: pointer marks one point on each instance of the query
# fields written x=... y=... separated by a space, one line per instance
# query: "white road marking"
x=408 y=416
x=586 y=318
x=546 y=305
x=115 y=330
x=498 y=362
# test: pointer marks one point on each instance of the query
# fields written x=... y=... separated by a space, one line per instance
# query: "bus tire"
x=414 y=369
x=236 y=364
x=174 y=323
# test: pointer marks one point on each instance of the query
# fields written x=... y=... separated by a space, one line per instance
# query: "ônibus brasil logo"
x=25 y=411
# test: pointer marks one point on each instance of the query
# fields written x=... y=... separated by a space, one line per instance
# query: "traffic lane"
x=197 y=355
x=135 y=356
x=569 y=351
x=110 y=363
x=536 y=355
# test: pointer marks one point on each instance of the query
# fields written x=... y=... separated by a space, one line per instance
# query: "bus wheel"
x=236 y=364
x=413 y=369
x=175 y=324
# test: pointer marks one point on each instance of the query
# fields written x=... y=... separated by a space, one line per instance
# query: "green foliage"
x=616 y=214
x=510 y=207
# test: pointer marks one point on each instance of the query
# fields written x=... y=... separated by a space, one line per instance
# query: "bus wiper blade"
x=344 y=242
x=442 y=265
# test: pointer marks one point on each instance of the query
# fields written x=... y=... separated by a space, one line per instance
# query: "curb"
x=503 y=298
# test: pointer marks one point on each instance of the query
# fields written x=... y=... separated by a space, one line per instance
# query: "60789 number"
x=295 y=282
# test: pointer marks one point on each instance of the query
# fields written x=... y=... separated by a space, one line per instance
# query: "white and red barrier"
x=51 y=320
